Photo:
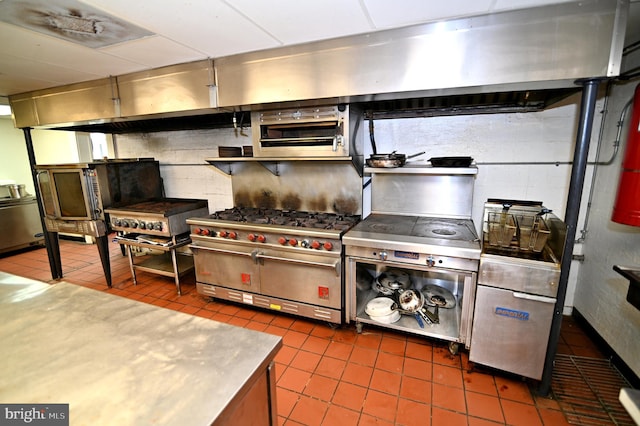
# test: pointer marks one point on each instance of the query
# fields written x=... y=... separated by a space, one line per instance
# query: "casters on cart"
x=358 y=328
x=454 y=347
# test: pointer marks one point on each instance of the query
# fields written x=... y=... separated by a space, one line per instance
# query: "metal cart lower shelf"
x=447 y=329
x=168 y=264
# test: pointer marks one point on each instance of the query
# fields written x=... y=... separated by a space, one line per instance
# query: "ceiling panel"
x=208 y=26
x=20 y=75
x=45 y=51
x=523 y=4
x=397 y=14
x=69 y=20
x=154 y=52
x=295 y=21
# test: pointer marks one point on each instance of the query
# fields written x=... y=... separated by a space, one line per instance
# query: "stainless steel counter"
x=20 y=224
x=122 y=362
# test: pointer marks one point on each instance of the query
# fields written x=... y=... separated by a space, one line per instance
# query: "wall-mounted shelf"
x=633 y=275
x=224 y=164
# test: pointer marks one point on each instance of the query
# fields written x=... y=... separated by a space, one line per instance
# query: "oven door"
x=454 y=322
x=312 y=279
x=226 y=266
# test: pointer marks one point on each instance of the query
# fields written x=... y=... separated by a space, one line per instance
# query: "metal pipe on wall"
x=576 y=185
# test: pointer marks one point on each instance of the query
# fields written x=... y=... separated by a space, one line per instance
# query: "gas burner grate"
x=316 y=220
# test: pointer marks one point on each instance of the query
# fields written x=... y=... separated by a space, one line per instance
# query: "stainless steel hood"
x=532 y=49
x=521 y=60
x=168 y=98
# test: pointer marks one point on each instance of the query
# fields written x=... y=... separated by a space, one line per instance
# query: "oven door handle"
x=336 y=265
x=237 y=253
x=534 y=298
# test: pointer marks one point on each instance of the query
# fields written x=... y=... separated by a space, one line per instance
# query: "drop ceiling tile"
x=69 y=20
x=386 y=14
x=153 y=52
x=295 y=21
x=38 y=74
x=47 y=51
x=16 y=83
x=523 y=4
x=208 y=26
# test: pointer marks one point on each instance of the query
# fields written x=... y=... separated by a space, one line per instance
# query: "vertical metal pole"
x=576 y=185
x=103 y=249
x=50 y=238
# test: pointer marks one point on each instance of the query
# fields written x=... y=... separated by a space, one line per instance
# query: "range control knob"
x=293 y=242
x=262 y=238
x=384 y=255
x=252 y=237
x=205 y=232
x=328 y=245
x=233 y=235
x=125 y=223
x=282 y=241
x=158 y=226
x=431 y=261
x=197 y=231
x=223 y=234
x=143 y=225
x=315 y=244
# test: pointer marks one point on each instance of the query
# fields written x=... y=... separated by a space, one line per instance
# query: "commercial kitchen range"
x=412 y=264
x=289 y=261
x=296 y=242
x=280 y=245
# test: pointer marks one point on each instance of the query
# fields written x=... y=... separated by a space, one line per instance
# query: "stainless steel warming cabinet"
x=517 y=286
x=412 y=264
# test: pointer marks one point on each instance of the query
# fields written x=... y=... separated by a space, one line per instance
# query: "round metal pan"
x=389 y=160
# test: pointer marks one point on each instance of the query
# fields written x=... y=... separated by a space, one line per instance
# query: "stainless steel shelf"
x=224 y=164
x=426 y=169
x=168 y=264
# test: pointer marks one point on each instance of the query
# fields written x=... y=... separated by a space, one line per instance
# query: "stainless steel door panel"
x=304 y=281
x=519 y=275
x=228 y=268
x=20 y=226
x=511 y=330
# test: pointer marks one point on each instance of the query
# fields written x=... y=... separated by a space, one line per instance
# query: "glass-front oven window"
x=71 y=196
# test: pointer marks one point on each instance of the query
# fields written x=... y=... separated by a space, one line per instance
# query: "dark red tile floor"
x=333 y=375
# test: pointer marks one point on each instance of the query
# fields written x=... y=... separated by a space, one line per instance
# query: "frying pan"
x=389 y=160
x=385 y=160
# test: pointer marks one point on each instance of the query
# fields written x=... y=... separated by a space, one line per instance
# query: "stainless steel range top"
x=293 y=229
x=421 y=234
x=283 y=260
x=162 y=217
x=294 y=218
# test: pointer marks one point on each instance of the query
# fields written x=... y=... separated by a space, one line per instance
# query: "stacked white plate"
x=383 y=310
